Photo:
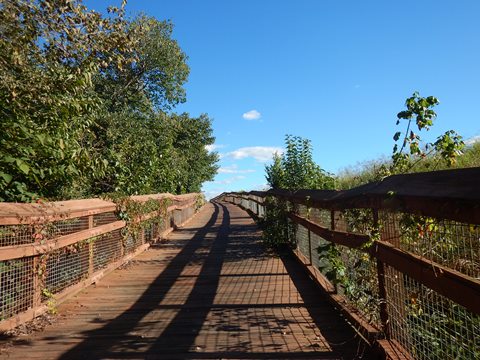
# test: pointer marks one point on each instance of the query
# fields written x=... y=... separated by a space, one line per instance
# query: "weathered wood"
x=18 y=213
x=462 y=289
x=21 y=251
x=210 y=291
x=447 y=194
x=355 y=241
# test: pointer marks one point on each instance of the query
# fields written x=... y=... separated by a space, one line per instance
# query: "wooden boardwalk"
x=209 y=292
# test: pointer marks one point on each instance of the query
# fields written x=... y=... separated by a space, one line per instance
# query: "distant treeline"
x=85 y=103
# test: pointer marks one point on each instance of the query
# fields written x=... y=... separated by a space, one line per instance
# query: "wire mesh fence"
x=423 y=322
x=65 y=267
x=16 y=286
x=449 y=243
x=16 y=235
x=26 y=282
x=429 y=325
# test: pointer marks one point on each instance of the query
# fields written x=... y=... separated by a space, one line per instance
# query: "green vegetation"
x=437 y=327
x=296 y=169
x=84 y=101
x=369 y=171
x=410 y=154
x=293 y=170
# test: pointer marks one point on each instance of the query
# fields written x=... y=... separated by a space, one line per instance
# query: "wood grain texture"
x=210 y=292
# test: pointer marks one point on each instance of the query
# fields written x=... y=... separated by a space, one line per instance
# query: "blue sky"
x=335 y=72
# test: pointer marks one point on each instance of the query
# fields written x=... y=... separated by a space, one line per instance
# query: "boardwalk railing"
x=50 y=251
x=400 y=257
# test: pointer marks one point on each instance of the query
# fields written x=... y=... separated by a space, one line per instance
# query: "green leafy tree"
x=154 y=76
x=275 y=174
x=157 y=153
x=295 y=169
x=82 y=101
x=50 y=51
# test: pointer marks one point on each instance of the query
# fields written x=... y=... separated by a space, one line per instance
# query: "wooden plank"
x=452 y=284
x=21 y=213
x=67 y=293
x=460 y=288
x=354 y=241
x=447 y=194
x=26 y=250
x=237 y=301
x=18 y=213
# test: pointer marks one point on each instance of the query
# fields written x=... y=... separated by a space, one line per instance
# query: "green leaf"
x=24 y=167
x=397 y=135
x=6 y=177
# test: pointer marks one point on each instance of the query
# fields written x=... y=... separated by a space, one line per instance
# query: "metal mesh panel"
x=107 y=249
x=65 y=227
x=16 y=286
x=357 y=221
x=16 y=235
x=27 y=234
x=148 y=234
x=131 y=242
x=360 y=283
x=261 y=211
x=448 y=243
x=302 y=239
x=66 y=267
x=321 y=217
x=318 y=243
x=104 y=218
x=427 y=324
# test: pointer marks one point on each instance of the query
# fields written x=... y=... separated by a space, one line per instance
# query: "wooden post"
x=37 y=283
x=332 y=219
x=309 y=247
x=382 y=292
x=90 y=248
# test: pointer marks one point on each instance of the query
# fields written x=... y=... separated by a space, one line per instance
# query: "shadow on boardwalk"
x=219 y=296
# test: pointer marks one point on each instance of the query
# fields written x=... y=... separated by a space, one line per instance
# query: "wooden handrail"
x=452 y=197
x=30 y=233
x=447 y=194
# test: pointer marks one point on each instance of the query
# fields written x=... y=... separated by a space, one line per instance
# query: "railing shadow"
x=98 y=343
x=346 y=342
x=203 y=293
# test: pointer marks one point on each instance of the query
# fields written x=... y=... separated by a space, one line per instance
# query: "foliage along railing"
x=50 y=251
x=400 y=257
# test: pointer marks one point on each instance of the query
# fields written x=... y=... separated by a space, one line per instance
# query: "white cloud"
x=472 y=140
x=252 y=115
x=213 y=147
x=230 y=180
x=259 y=153
x=261 y=187
x=211 y=193
x=233 y=169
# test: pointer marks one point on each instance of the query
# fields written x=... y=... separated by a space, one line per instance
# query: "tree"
x=154 y=76
x=83 y=100
x=274 y=173
x=190 y=161
x=293 y=170
x=50 y=50
x=296 y=169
